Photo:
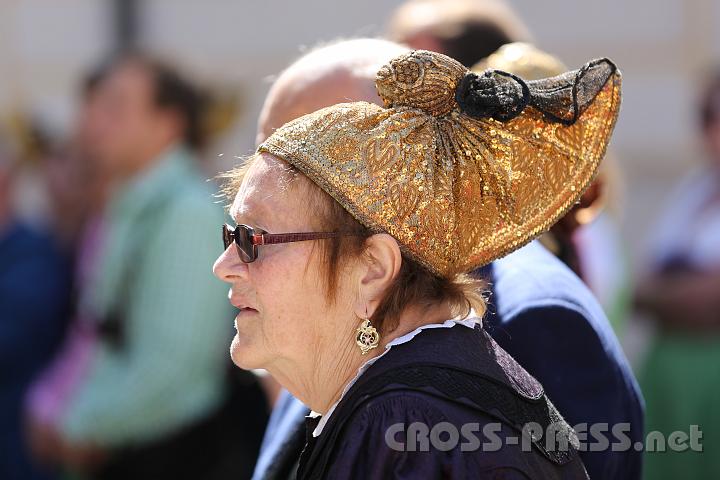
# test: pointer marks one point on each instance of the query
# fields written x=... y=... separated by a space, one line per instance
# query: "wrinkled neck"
x=320 y=383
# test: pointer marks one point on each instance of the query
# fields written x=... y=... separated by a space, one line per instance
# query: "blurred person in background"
x=537 y=304
x=34 y=302
x=156 y=400
x=466 y=30
x=681 y=374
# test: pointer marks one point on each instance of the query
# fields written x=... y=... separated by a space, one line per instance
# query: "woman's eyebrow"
x=248 y=216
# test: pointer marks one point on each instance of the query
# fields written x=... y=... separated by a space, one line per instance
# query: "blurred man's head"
x=337 y=73
x=466 y=30
x=138 y=108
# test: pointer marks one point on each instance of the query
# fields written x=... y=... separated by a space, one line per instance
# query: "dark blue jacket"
x=446 y=379
x=34 y=301
x=549 y=321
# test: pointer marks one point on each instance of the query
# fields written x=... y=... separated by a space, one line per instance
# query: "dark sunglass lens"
x=244 y=242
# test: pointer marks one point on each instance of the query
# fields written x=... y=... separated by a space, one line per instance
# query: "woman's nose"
x=228 y=267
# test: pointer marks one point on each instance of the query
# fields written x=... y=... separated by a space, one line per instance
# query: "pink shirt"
x=51 y=392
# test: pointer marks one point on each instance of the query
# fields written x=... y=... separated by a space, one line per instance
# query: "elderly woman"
x=356 y=225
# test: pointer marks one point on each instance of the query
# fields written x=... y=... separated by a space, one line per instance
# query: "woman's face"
x=284 y=313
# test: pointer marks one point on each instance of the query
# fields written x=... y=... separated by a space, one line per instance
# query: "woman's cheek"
x=287 y=286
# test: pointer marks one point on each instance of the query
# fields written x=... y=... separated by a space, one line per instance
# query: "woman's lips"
x=242 y=306
x=247 y=311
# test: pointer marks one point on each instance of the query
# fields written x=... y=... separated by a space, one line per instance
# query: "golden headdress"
x=460 y=168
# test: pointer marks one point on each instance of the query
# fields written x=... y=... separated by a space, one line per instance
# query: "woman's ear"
x=381 y=266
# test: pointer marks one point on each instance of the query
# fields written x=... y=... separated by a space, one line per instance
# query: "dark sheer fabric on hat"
x=503 y=96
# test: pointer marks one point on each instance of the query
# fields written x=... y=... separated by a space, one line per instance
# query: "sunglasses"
x=247 y=239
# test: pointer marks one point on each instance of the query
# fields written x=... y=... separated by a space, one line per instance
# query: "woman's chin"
x=242 y=355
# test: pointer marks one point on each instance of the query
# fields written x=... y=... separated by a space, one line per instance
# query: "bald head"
x=337 y=73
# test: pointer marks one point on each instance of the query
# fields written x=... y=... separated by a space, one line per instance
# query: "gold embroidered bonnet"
x=461 y=168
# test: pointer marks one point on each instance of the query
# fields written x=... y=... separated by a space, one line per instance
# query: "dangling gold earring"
x=366 y=336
